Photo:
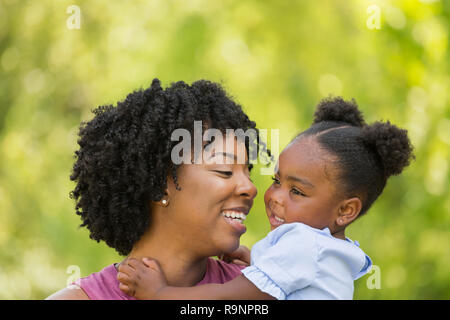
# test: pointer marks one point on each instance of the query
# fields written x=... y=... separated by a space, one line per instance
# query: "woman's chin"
x=231 y=245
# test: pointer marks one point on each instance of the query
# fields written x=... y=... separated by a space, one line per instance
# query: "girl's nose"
x=275 y=196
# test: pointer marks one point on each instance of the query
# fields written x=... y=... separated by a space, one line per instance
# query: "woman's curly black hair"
x=367 y=155
x=124 y=157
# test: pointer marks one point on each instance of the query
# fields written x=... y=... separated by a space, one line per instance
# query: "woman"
x=130 y=194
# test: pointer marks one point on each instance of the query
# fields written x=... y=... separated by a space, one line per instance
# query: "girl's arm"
x=240 y=288
x=147 y=281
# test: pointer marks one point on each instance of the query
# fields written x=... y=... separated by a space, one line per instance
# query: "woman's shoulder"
x=218 y=271
x=72 y=292
x=102 y=285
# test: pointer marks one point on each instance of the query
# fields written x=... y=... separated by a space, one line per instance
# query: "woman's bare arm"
x=71 y=293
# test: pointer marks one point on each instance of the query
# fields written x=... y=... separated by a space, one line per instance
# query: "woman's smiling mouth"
x=235 y=218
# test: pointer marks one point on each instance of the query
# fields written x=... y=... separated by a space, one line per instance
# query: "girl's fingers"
x=125 y=268
x=225 y=258
x=133 y=263
x=126 y=289
x=151 y=263
x=239 y=262
x=123 y=278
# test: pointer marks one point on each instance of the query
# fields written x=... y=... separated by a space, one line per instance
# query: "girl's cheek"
x=267 y=195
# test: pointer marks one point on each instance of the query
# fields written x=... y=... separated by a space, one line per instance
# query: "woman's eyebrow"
x=228 y=155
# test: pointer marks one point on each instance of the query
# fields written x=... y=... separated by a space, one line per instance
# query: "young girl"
x=326 y=178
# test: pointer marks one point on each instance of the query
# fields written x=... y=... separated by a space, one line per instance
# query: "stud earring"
x=165 y=202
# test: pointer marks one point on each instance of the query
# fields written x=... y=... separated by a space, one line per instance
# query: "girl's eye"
x=275 y=180
x=297 y=192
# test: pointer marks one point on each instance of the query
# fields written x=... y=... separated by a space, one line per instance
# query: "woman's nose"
x=246 y=187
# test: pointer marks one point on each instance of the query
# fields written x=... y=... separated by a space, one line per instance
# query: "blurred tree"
x=278 y=58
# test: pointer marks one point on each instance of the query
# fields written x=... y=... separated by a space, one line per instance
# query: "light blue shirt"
x=298 y=262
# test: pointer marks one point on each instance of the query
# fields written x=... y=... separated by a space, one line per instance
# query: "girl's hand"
x=241 y=256
x=141 y=279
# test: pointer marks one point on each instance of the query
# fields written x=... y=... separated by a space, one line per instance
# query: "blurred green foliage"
x=278 y=58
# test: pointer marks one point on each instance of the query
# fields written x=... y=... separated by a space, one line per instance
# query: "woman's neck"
x=179 y=267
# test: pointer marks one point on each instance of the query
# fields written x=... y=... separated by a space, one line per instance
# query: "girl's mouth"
x=275 y=220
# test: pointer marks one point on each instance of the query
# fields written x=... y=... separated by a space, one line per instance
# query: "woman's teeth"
x=234 y=215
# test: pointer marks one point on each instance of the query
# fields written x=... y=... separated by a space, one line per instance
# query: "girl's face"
x=302 y=190
x=209 y=191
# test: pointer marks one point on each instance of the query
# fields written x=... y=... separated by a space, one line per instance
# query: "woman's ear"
x=348 y=211
x=164 y=202
x=171 y=189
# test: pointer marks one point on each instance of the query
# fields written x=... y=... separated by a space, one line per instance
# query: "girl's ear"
x=348 y=211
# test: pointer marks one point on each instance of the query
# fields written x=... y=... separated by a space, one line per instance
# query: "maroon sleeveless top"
x=103 y=285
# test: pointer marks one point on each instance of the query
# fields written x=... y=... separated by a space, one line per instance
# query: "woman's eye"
x=225 y=173
x=275 y=180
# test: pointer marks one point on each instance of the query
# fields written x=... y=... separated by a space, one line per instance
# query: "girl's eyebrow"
x=303 y=181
